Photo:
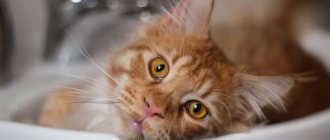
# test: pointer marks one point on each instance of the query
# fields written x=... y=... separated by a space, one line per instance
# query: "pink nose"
x=152 y=110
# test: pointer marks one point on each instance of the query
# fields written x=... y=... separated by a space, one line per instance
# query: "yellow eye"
x=158 y=68
x=196 y=109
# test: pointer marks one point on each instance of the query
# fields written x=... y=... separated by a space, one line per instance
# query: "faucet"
x=66 y=13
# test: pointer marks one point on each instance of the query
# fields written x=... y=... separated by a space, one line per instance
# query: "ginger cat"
x=173 y=82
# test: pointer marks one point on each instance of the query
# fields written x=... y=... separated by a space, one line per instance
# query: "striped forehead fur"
x=126 y=58
x=206 y=86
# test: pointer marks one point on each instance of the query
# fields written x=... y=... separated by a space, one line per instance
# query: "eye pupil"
x=197 y=107
x=160 y=67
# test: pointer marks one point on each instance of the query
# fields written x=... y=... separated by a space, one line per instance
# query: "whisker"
x=72 y=88
x=88 y=57
x=229 y=114
x=177 y=21
x=81 y=94
x=92 y=102
x=77 y=90
x=171 y=3
x=87 y=79
x=99 y=125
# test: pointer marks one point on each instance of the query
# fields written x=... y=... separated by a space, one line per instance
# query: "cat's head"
x=172 y=82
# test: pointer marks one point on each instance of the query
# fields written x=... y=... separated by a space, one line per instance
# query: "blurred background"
x=40 y=31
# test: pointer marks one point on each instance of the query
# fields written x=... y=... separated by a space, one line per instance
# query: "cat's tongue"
x=137 y=126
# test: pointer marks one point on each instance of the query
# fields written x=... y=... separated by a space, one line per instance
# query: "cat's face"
x=173 y=83
x=187 y=83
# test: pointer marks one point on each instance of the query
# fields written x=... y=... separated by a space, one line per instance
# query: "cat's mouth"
x=135 y=125
x=139 y=126
x=140 y=123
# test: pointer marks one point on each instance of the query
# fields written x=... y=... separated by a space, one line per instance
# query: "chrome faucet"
x=65 y=13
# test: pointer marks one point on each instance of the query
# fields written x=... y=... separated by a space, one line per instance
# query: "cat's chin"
x=130 y=131
x=138 y=129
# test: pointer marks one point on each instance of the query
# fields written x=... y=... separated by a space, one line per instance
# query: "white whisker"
x=99 y=126
x=109 y=102
x=229 y=114
x=82 y=94
x=72 y=88
x=87 y=79
x=88 y=57
x=177 y=21
x=171 y=3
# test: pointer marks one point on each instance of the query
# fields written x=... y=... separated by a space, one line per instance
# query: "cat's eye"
x=158 y=68
x=196 y=109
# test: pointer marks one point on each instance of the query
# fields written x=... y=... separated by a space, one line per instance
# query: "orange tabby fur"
x=198 y=71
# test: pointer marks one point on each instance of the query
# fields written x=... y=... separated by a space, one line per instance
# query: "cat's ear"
x=260 y=91
x=191 y=17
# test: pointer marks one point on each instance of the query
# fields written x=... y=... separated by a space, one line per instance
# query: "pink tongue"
x=137 y=126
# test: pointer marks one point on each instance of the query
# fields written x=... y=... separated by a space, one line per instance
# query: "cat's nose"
x=152 y=110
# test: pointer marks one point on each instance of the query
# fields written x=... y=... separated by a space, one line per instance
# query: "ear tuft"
x=260 y=91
